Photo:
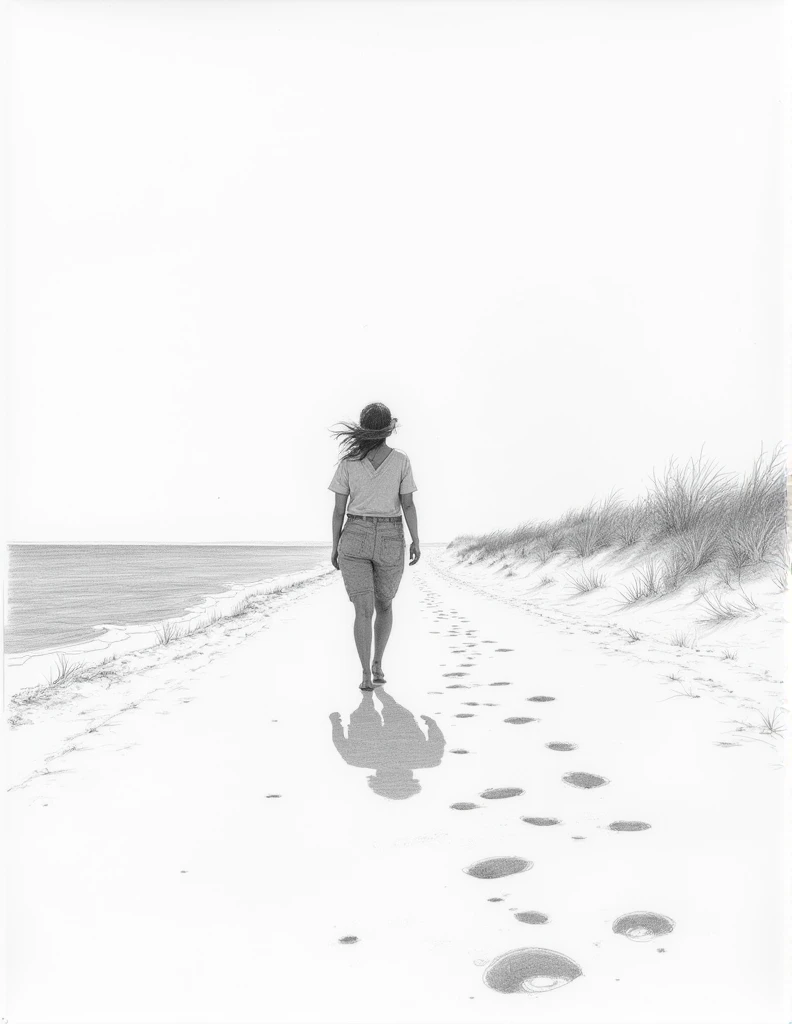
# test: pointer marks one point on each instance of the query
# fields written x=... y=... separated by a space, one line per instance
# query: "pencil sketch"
x=397 y=571
x=709 y=540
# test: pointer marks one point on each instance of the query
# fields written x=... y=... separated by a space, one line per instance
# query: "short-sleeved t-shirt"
x=374 y=492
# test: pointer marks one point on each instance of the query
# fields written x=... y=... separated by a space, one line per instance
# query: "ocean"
x=58 y=594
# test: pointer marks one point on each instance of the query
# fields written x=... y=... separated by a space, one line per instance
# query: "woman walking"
x=377 y=482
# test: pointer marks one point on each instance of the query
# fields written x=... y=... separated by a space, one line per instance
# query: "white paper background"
x=546 y=234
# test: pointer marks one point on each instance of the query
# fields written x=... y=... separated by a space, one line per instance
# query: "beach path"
x=221 y=853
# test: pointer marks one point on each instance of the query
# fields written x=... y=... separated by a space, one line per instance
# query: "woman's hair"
x=358 y=439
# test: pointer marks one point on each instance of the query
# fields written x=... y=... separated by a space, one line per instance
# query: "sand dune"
x=540 y=818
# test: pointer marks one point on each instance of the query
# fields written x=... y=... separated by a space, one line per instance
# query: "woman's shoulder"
x=403 y=455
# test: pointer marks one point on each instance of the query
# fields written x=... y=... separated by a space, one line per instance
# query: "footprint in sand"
x=504 y=649
x=531 y=970
x=498 y=867
x=542 y=821
x=454 y=675
x=347 y=940
x=532 y=917
x=495 y=899
x=561 y=746
x=520 y=721
x=459 y=750
x=502 y=682
x=457 y=686
x=643 y=925
x=540 y=698
x=273 y=796
x=465 y=714
x=463 y=806
x=629 y=826
x=501 y=793
x=584 y=780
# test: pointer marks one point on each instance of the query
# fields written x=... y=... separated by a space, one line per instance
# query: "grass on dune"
x=696 y=519
x=772 y=721
x=587 y=581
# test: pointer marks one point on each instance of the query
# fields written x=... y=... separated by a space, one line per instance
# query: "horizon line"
x=182 y=543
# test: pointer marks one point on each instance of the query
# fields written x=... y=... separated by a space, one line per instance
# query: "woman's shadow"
x=393 y=745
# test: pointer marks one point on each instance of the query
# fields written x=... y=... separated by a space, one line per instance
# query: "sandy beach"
x=205 y=836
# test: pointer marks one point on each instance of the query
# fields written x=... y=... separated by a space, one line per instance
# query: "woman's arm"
x=338 y=522
x=411 y=517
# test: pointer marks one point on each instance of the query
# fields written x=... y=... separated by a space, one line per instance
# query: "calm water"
x=57 y=594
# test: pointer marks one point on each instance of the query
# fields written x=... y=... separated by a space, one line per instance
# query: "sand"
x=218 y=852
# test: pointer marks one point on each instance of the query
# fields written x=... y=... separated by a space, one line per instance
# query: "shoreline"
x=47 y=715
x=26 y=669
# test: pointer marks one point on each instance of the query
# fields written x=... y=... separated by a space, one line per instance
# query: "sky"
x=546 y=234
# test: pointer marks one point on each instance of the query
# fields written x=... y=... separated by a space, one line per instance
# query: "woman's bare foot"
x=377 y=674
x=367 y=683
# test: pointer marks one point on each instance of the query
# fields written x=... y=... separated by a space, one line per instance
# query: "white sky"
x=548 y=235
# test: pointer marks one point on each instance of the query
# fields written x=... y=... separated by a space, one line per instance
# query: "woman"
x=377 y=481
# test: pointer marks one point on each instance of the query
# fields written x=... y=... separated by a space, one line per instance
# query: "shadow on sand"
x=393 y=744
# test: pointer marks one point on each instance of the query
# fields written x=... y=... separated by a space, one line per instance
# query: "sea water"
x=58 y=594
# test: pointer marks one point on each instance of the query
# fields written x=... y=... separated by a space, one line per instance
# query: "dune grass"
x=587 y=581
x=645 y=583
x=721 y=609
x=64 y=671
x=695 y=519
x=772 y=721
x=167 y=632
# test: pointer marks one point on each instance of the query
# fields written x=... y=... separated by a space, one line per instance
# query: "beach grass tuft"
x=167 y=632
x=645 y=584
x=587 y=581
x=720 y=609
x=772 y=721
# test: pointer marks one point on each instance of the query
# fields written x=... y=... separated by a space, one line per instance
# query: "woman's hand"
x=334 y=558
x=415 y=552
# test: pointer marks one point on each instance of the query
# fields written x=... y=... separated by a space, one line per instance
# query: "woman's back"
x=374 y=489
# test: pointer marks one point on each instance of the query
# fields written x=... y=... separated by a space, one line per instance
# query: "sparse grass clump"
x=720 y=609
x=64 y=671
x=167 y=632
x=55 y=689
x=673 y=571
x=645 y=584
x=781 y=578
x=772 y=721
x=240 y=608
x=587 y=581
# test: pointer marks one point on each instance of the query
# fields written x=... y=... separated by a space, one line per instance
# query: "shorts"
x=371 y=557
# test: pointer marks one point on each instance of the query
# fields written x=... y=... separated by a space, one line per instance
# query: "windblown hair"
x=358 y=439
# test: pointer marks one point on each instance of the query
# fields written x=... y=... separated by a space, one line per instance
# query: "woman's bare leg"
x=364 y=609
x=383 y=624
